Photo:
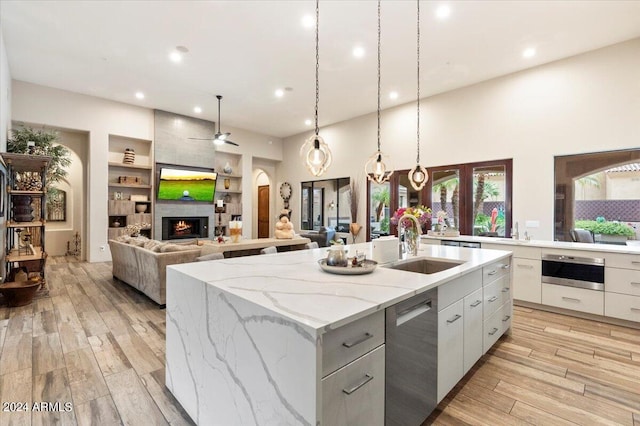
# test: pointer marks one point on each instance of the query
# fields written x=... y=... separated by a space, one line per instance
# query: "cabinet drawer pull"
x=492 y=272
x=635 y=262
x=364 y=338
x=493 y=331
x=505 y=319
x=525 y=266
x=570 y=299
x=506 y=266
x=476 y=303
x=635 y=309
x=634 y=283
x=412 y=312
x=367 y=379
x=493 y=299
x=505 y=289
x=454 y=319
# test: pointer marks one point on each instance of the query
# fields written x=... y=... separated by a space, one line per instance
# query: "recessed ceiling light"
x=197 y=110
x=175 y=57
x=308 y=21
x=279 y=93
x=139 y=95
x=393 y=95
x=529 y=52
x=358 y=51
x=308 y=122
x=443 y=12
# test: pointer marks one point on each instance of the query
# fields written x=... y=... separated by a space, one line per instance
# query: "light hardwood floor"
x=99 y=345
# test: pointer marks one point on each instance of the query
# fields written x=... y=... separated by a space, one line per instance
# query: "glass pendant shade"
x=378 y=167
x=418 y=177
x=316 y=155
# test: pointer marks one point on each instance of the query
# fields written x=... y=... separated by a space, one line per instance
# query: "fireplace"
x=175 y=228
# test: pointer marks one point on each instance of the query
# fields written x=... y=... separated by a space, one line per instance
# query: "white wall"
x=5 y=95
x=32 y=103
x=59 y=233
x=587 y=103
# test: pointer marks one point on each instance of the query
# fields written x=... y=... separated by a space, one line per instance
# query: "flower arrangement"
x=422 y=213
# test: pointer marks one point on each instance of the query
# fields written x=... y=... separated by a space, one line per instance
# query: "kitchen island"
x=273 y=339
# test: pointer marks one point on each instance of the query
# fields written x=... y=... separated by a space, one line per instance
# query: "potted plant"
x=607 y=231
x=44 y=143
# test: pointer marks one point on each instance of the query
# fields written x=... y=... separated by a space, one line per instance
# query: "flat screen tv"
x=186 y=185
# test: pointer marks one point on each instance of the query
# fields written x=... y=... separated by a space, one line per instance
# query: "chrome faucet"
x=515 y=234
x=400 y=226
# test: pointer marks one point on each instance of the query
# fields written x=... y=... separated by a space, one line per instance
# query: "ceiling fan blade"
x=231 y=143
x=201 y=139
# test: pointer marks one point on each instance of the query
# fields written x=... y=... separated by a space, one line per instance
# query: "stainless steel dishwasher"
x=411 y=359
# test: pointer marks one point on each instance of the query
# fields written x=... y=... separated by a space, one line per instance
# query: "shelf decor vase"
x=227 y=183
x=235 y=230
x=129 y=156
x=227 y=168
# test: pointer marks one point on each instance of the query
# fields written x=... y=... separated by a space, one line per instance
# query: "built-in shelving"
x=121 y=205
x=232 y=196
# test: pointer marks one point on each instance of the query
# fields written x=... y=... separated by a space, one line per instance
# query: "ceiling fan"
x=219 y=138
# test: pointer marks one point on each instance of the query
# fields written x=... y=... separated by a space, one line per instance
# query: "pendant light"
x=376 y=168
x=315 y=151
x=418 y=175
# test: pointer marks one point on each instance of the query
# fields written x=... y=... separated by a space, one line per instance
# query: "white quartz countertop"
x=604 y=248
x=293 y=285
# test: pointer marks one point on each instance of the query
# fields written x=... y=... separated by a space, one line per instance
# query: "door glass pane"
x=318 y=210
x=305 y=210
x=446 y=195
x=489 y=189
x=379 y=200
x=407 y=196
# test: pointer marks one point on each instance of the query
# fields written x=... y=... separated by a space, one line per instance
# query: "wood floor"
x=99 y=345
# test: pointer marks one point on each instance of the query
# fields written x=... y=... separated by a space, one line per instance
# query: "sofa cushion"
x=210 y=256
x=168 y=248
x=151 y=244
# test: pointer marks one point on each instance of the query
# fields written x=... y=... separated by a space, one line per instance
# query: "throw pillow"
x=168 y=248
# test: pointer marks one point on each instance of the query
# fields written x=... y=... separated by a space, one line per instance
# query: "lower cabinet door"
x=527 y=280
x=472 y=329
x=450 y=347
x=354 y=394
x=577 y=299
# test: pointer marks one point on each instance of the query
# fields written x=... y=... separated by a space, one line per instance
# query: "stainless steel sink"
x=424 y=265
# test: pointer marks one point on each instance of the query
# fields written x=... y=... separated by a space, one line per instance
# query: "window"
x=599 y=187
x=476 y=197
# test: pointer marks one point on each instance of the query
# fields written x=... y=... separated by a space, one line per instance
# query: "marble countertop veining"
x=292 y=284
x=565 y=245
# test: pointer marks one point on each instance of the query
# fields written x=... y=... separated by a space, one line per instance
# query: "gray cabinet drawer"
x=351 y=341
x=496 y=270
x=354 y=395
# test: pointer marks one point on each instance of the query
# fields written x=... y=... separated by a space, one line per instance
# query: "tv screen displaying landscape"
x=186 y=185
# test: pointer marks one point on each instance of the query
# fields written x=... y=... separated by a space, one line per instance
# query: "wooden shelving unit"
x=25 y=239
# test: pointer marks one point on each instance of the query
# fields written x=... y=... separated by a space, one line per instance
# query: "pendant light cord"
x=317 y=63
x=418 y=97
x=378 y=75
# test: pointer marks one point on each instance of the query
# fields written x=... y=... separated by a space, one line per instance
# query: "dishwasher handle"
x=412 y=312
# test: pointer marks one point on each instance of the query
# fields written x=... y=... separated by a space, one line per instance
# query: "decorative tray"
x=365 y=267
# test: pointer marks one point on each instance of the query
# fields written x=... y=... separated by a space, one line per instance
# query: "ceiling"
x=245 y=50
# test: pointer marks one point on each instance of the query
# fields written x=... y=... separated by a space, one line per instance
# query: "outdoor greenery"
x=382 y=198
x=605 y=228
x=45 y=144
x=484 y=221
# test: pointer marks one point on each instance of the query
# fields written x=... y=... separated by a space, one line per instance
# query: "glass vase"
x=411 y=240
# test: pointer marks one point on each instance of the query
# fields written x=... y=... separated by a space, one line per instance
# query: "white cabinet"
x=353 y=367
x=622 y=286
x=622 y=306
x=527 y=280
x=354 y=395
x=450 y=347
x=472 y=317
x=577 y=299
